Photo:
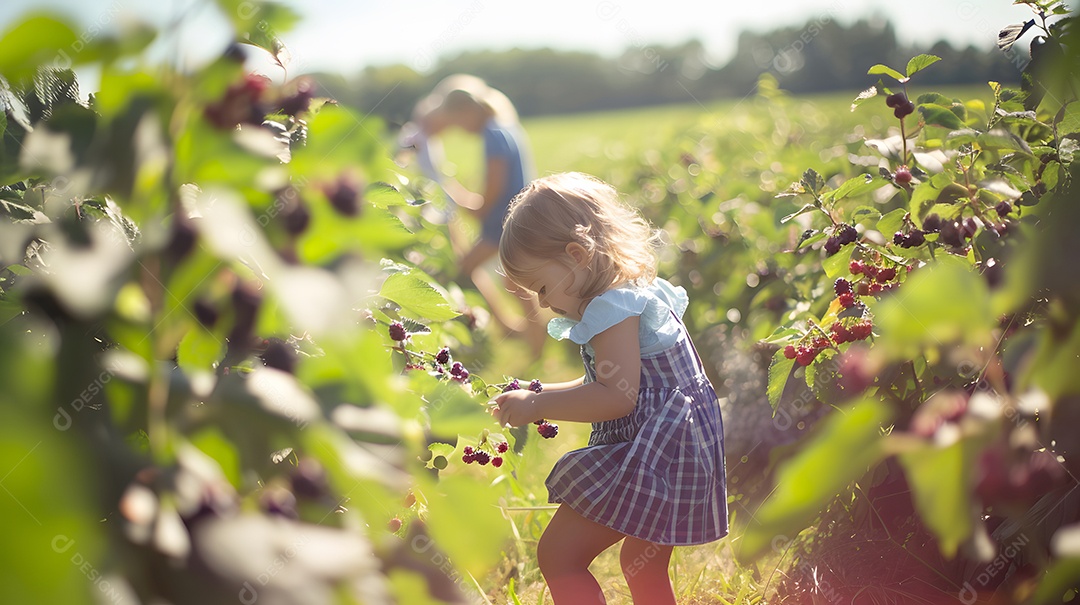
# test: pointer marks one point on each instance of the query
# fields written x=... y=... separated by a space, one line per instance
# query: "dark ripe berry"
x=181 y=240
x=300 y=100
x=397 y=331
x=548 y=430
x=246 y=300
x=482 y=457
x=1001 y=229
x=841 y=286
x=899 y=238
x=502 y=447
x=468 y=450
x=886 y=274
x=950 y=234
x=241 y=104
x=832 y=246
x=993 y=272
x=443 y=356
x=846 y=234
x=903 y=175
x=968 y=228
x=393 y=525
x=295 y=215
x=309 y=480
x=344 y=195
x=462 y=377
x=856 y=267
x=456 y=369
x=847 y=300
x=206 y=313
x=497 y=461
x=513 y=385
x=468 y=458
x=535 y=386
x=896 y=99
x=1003 y=208
x=932 y=223
x=915 y=238
x=235 y=52
x=280 y=355
x=904 y=109
x=789 y=352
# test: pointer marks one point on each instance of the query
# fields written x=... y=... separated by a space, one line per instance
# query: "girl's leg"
x=568 y=546
x=645 y=566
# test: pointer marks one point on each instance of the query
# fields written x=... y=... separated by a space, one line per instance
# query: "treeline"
x=823 y=55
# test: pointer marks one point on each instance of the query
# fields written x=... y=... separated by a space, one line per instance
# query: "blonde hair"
x=557 y=210
x=460 y=91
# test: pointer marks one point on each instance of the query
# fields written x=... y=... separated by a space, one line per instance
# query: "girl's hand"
x=516 y=408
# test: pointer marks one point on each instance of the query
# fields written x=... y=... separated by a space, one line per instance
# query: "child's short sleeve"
x=497 y=143
x=655 y=304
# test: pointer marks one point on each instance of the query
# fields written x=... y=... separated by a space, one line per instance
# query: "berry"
x=862 y=330
x=846 y=234
x=513 y=385
x=856 y=267
x=903 y=175
x=482 y=457
x=548 y=430
x=847 y=300
x=410 y=499
x=805 y=356
x=832 y=246
x=841 y=286
x=344 y=195
x=950 y=234
x=886 y=274
x=457 y=369
x=393 y=525
x=462 y=377
x=904 y=109
x=397 y=331
x=468 y=450
x=876 y=288
x=309 y=480
x=280 y=355
x=443 y=356
x=915 y=238
x=535 y=386
x=969 y=227
x=895 y=100
x=789 y=352
x=299 y=101
x=840 y=333
x=206 y=313
x=932 y=223
x=468 y=458
x=1003 y=208
x=899 y=238
x=497 y=461
x=502 y=447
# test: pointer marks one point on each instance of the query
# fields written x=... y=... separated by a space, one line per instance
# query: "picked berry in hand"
x=513 y=385
x=548 y=430
x=461 y=377
x=397 y=331
x=535 y=386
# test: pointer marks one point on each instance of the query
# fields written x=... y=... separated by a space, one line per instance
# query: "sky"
x=347 y=36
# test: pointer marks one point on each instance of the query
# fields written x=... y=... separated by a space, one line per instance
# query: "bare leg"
x=568 y=546
x=645 y=566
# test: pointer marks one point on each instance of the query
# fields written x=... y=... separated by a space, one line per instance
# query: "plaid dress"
x=658 y=473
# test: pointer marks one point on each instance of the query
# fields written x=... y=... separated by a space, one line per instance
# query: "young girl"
x=653 y=473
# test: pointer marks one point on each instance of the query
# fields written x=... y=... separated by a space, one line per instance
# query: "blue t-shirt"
x=658 y=328
x=507 y=142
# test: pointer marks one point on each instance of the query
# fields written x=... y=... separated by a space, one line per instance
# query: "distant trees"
x=820 y=56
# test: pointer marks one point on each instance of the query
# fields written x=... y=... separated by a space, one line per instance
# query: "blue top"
x=658 y=330
x=507 y=142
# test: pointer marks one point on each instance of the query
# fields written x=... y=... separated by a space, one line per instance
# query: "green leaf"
x=806 y=208
x=864 y=96
x=943 y=303
x=865 y=213
x=888 y=71
x=846 y=443
x=920 y=62
x=812 y=181
x=837 y=265
x=37 y=40
x=938 y=479
x=383 y=195
x=779 y=372
x=891 y=222
x=856 y=186
x=417 y=297
x=937 y=115
x=199 y=351
x=1057 y=583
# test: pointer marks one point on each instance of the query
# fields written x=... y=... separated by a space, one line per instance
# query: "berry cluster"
x=807 y=350
x=546 y=429
x=911 y=239
x=843 y=234
x=859 y=330
x=243 y=103
x=955 y=233
x=485 y=452
x=901 y=105
x=879 y=278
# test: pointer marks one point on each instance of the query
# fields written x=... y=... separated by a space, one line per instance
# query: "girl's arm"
x=562 y=386
x=495 y=177
x=612 y=395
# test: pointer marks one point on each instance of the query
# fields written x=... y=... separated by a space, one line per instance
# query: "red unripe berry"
x=903 y=175
x=885 y=274
x=502 y=447
x=468 y=450
x=805 y=356
x=789 y=352
x=497 y=461
x=847 y=300
x=856 y=267
x=394 y=525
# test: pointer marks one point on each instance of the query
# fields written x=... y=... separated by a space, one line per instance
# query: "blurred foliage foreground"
x=222 y=376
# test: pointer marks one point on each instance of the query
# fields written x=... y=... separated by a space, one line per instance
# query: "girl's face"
x=556 y=285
